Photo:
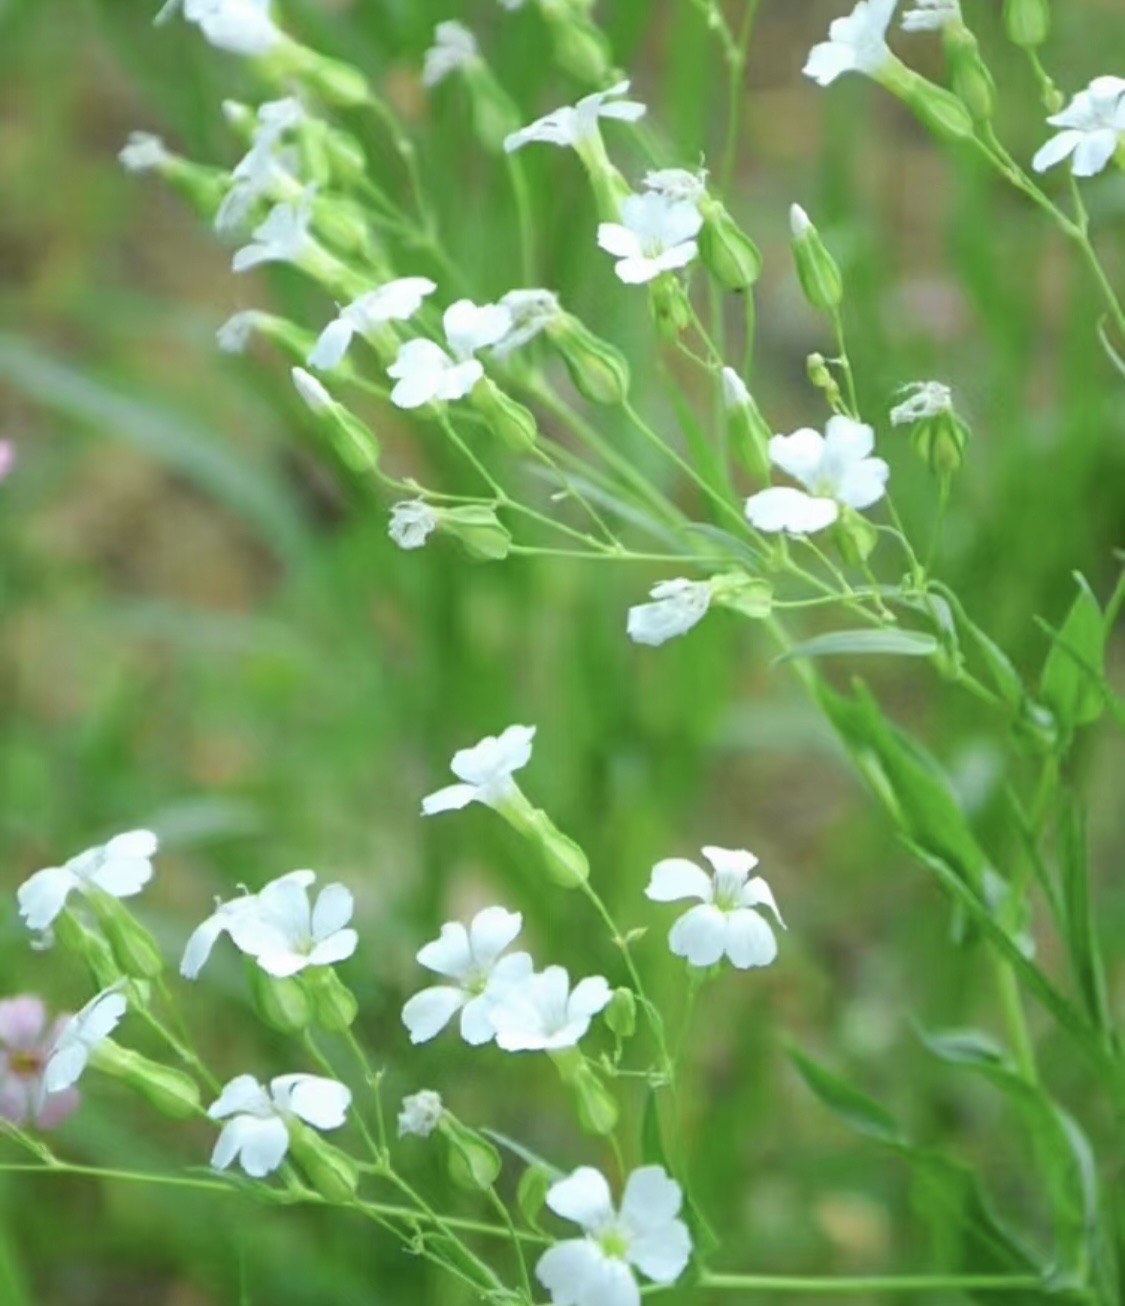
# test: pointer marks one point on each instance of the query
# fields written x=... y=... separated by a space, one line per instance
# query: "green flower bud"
x=621 y=1014
x=334 y=1005
x=938 y=434
x=495 y=115
x=855 y=536
x=509 y=419
x=338 y=82
x=972 y=82
x=747 y=595
x=474 y=1163
x=531 y=1192
x=598 y=370
x=580 y=48
x=565 y=861
x=748 y=430
x=170 y=1091
x=354 y=444
x=1027 y=22
x=670 y=305
x=330 y=1171
x=597 y=1108
x=135 y=951
x=727 y=251
x=89 y=947
x=819 y=374
x=816 y=268
x=282 y=1003
x=478 y=530
x=938 y=109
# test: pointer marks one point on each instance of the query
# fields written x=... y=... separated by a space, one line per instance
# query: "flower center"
x=27 y=1065
x=728 y=892
x=615 y=1242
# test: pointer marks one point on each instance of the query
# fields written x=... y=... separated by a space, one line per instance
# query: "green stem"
x=834 y=1287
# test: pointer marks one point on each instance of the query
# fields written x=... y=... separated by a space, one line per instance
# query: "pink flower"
x=7 y=458
x=26 y=1043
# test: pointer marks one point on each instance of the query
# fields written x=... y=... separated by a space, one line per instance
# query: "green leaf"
x=1078 y=918
x=1072 y=684
x=863 y=1113
x=893 y=643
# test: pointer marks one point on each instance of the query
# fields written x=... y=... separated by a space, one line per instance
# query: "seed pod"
x=671 y=308
x=1027 y=22
x=334 y=1005
x=474 y=1163
x=598 y=370
x=940 y=442
x=330 y=1171
x=748 y=595
x=509 y=419
x=816 y=268
x=338 y=82
x=282 y=1003
x=855 y=537
x=478 y=530
x=727 y=251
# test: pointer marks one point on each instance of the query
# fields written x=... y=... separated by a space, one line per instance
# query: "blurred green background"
x=206 y=631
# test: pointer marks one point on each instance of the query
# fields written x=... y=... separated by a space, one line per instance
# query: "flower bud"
x=282 y=1003
x=495 y=114
x=338 y=82
x=334 y=1005
x=170 y=1091
x=355 y=445
x=330 y=1171
x=565 y=861
x=531 y=1192
x=670 y=305
x=855 y=537
x=727 y=251
x=748 y=430
x=972 y=82
x=474 y=1163
x=597 y=1107
x=598 y=370
x=938 y=434
x=509 y=419
x=816 y=268
x=421 y=1114
x=135 y=951
x=88 y=946
x=1027 y=22
x=621 y=1014
x=818 y=373
x=478 y=530
x=747 y=595
x=580 y=48
x=938 y=109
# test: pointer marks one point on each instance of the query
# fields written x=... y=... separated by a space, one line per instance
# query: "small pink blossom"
x=7 y=458
x=27 y=1040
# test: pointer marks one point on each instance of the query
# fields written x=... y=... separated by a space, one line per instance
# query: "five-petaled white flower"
x=725 y=921
x=454 y=47
x=424 y=372
x=282 y=238
x=655 y=235
x=265 y=169
x=835 y=469
x=224 y=919
x=286 y=932
x=143 y=152
x=482 y=973
x=646 y=1234
x=397 y=301
x=925 y=399
x=1093 y=126
x=257 y=1128
x=678 y=184
x=578 y=123
x=413 y=521
x=931 y=15
x=856 y=43
x=677 y=606
x=80 y=1036
x=120 y=868
x=532 y=311
x=238 y=26
x=485 y=771
x=421 y=1114
x=543 y=1014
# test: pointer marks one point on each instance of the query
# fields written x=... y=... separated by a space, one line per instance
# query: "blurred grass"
x=204 y=632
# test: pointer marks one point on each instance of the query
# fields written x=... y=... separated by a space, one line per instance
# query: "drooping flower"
x=926 y=399
x=266 y=168
x=413 y=521
x=856 y=43
x=678 y=184
x=234 y=335
x=485 y=771
x=121 y=868
x=256 y=1133
x=481 y=970
x=284 y=236
x=397 y=301
x=531 y=311
x=677 y=606
x=645 y=1234
x=835 y=469
x=143 y=152
x=312 y=391
x=725 y=922
x=471 y=327
x=423 y=372
x=27 y=1040
x=1093 y=126
x=655 y=235
x=79 y=1037
x=544 y=1014
x=238 y=26
x=931 y=15
x=454 y=47
x=421 y=1114
x=574 y=124
x=735 y=393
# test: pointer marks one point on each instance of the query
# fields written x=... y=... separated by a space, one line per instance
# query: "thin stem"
x=524 y=218
x=517 y=1243
x=371 y=1078
x=833 y=1287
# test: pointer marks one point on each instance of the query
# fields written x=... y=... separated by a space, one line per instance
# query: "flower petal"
x=1094 y=151
x=337 y=947
x=44 y=895
x=781 y=508
x=334 y=909
x=565 y=1270
x=491 y=931
x=749 y=940
x=864 y=483
x=582 y=1197
x=1055 y=150
x=799 y=455
x=22 y=1022
x=241 y=1094
x=651 y=1198
x=450 y=954
x=699 y=935
x=450 y=799
x=427 y=1013
x=662 y=1253
x=675 y=878
x=320 y=1102
x=618 y=240
x=759 y=894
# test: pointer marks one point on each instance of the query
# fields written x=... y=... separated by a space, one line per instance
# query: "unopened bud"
x=531 y=1192
x=474 y=1163
x=282 y=1003
x=816 y=268
x=1027 y=22
x=91 y=948
x=334 y=1005
x=749 y=432
x=338 y=82
x=621 y=1014
x=972 y=82
x=819 y=374
x=938 y=109
x=748 y=595
x=597 y=1108
x=478 y=530
x=509 y=419
x=599 y=371
x=727 y=251
x=580 y=48
x=670 y=305
x=855 y=536
x=330 y=1171
x=170 y=1091
x=135 y=951
x=938 y=434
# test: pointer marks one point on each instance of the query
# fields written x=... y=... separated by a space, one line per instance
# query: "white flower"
x=143 y=152
x=120 y=868
x=454 y=47
x=927 y=399
x=234 y=335
x=725 y=922
x=931 y=15
x=413 y=521
x=544 y=1014
x=1093 y=126
x=424 y=372
x=646 y=1233
x=286 y=933
x=282 y=238
x=257 y=1130
x=474 y=959
x=265 y=168
x=397 y=301
x=735 y=393
x=238 y=26
x=421 y=1114
x=80 y=1036
x=834 y=468
x=678 y=184
x=856 y=44
x=485 y=770
x=531 y=311
x=655 y=235
x=312 y=391
x=575 y=124
x=223 y=920
x=679 y=605
x=471 y=327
